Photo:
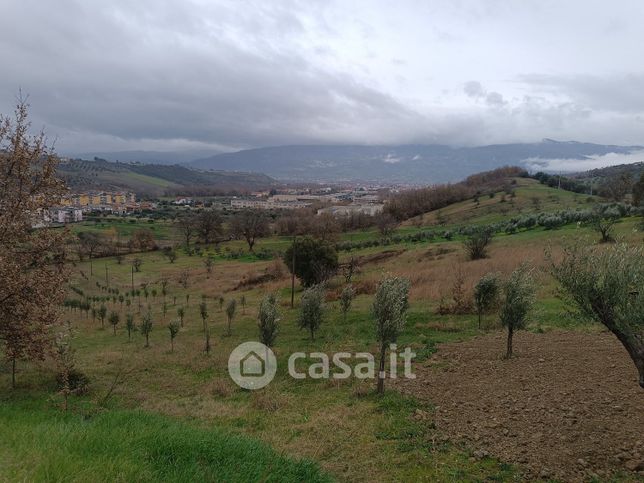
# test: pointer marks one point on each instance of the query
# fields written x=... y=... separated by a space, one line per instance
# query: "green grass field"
x=41 y=443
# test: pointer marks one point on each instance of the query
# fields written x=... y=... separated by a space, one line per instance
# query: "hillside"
x=157 y=180
x=634 y=170
x=401 y=163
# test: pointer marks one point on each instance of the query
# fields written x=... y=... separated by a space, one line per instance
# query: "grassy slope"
x=39 y=443
x=341 y=425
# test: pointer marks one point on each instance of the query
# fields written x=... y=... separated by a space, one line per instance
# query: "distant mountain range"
x=157 y=179
x=402 y=163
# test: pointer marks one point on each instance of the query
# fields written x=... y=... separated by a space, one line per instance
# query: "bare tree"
x=187 y=227
x=143 y=239
x=386 y=224
x=89 y=244
x=249 y=225
x=616 y=187
x=208 y=224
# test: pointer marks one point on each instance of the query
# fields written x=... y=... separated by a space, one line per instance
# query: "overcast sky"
x=173 y=75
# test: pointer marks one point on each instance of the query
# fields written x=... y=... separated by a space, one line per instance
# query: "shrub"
x=77 y=382
x=486 y=293
x=477 y=242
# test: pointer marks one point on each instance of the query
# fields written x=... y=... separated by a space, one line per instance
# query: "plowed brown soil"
x=567 y=406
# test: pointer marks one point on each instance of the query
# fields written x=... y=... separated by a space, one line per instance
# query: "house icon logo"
x=252 y=365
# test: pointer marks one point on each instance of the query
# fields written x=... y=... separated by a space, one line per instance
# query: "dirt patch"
x=567 y=406
x=379 y=257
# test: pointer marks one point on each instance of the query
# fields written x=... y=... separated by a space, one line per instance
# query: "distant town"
x=365 y=200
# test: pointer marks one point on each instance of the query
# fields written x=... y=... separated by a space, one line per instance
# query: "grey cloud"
x=621 y=93
x=169 y=74
x=494 y=99
x=474 y=89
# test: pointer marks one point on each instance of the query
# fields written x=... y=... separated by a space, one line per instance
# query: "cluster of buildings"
x=112 y=201
x=73 y=206
x=342 y=203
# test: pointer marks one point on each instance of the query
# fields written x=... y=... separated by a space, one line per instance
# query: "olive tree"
x=102 y=313
x=312 y=309
x=517 y=301
x=130 y=325
x=231 y=307
x=268 y=320
x=607 y=285
x=486 y=294
x=390 y=314
x=114 y=320
x=181 y=313
x=173 y=328
x=603 y=222
x=203 y=312
x=346 y=298
x=146 y=327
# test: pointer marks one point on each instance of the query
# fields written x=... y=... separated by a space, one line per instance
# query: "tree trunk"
x=508 y=353
x=635 y=349
x=171 y=344
x=381 y=370
x=114 y=326
x=312 y=334
x=479 y=314
x=147 y=340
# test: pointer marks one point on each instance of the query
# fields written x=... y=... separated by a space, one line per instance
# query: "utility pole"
x=107 y=278
x=293 y=273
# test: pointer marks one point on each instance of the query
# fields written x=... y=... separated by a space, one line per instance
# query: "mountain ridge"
x=409 y=163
